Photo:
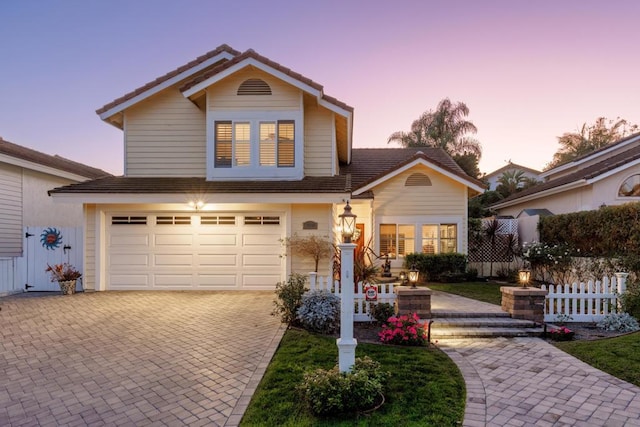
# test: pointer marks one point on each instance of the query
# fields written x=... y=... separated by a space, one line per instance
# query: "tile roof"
x=587 y=173
x=254 y=55
x=510 y=166
x=368 y=164
x=169 y=75
x=19 y=152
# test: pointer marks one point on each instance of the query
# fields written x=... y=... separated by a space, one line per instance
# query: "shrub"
x=381 y=311
x=631 y=299
x=289 y=298
x=434 y=265
x=404 y=330
x=320 y=312
x=621 y=322
x=331 y=392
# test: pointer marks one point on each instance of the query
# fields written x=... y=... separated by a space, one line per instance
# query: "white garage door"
x=203 y=251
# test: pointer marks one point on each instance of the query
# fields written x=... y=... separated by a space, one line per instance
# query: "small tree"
x=312 y=246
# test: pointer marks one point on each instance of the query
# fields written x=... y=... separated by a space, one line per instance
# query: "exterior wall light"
x=196 y=204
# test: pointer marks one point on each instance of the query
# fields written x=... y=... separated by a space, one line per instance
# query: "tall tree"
x=590 y=138
x=446 y=128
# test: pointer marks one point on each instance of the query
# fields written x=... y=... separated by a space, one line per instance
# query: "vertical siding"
x=165 y=136
x=10 y=211
x=444 y=197
x=223 y=97
x=89 y=275
x=318 y=141
x=322 y=214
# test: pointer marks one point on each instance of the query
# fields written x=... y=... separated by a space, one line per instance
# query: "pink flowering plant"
x=63 y=272
x=404 y=330
x=561 y=334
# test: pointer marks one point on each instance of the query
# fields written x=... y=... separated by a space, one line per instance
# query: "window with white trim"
x=273 y=143
x=398 y=240
x=630 y=187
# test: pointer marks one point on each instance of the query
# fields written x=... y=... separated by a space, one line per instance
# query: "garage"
x=205 y=251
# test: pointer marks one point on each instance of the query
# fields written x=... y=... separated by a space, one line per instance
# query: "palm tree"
x=510 y=182
x=445 y=128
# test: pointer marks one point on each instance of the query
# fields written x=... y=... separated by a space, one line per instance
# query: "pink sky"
x=528 y=71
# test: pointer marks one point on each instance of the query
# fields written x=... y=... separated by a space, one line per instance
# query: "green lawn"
x=425 y=387
x=481 y=291
x=618 y=356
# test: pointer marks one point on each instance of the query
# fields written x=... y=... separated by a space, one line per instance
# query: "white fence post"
x=622 y=287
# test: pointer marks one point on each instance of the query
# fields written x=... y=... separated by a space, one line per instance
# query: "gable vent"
x=254 y=87
x=417 y=180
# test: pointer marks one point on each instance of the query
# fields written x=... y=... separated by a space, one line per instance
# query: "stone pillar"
x=414 y=300
x=346 y=343
x=524 y=303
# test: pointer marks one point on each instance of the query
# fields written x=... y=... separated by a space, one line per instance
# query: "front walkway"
x=133 y=358
x=529 y=382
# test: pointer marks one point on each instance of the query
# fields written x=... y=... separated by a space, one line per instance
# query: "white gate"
x=50 y=245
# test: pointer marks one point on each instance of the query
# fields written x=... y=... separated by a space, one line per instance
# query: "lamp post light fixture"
x=346 y=343
x=524 y=275
x=413 y=275
x=348 y=223
x=403 y=277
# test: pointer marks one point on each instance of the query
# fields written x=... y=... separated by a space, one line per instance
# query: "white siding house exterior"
x=230 y=154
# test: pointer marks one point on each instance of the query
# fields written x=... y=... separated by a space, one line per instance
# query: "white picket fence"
x=584 y=302
x=361 y=308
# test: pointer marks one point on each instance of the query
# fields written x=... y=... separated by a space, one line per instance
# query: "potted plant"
x=66 y=275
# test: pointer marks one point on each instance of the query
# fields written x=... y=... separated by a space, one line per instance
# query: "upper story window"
x=630 y=187
x=254 y=143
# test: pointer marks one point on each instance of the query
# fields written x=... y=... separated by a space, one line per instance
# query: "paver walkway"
x=529 y=382
x=133 y=358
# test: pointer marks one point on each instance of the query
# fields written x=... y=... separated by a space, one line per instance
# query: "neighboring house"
x=492 y=178
x=608 y=176
x=232 y=152
x=33 y=229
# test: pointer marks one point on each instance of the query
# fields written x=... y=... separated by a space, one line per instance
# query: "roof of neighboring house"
x=199 y=60
x=254 y=55
x=585 y=174
x=534 y=212
x=368 y=164
x=600 y=151
x=511 y=166
x=56 y=162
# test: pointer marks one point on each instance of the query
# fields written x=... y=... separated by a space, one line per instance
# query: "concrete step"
x=482 y=327
x=440 y=314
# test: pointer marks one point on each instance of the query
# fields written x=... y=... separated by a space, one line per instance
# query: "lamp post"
x=346 y=343
x=413 y=275
x=524 y=275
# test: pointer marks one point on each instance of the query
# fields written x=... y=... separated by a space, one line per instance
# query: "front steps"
x=456 y=325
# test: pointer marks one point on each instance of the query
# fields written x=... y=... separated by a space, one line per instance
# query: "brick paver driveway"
x=133 y=358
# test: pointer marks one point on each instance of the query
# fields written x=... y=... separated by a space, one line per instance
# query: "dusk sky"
x=528 y=70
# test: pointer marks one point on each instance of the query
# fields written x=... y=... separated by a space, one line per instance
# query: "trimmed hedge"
x=435 y=266
x=612 y=231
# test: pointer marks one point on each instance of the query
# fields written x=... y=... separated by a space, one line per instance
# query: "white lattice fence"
x=584 y=302
x=361 y=309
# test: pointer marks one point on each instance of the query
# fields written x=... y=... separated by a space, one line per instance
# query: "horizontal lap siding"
x=322 y=214
x=318 y=141
x=165 y=136
x=444 y=197
x=89 y=274
x=223 y=95
x=10 y=211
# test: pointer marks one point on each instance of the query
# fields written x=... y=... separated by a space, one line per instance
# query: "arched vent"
x=254 y=87
x=417 y=180
x=630 y=187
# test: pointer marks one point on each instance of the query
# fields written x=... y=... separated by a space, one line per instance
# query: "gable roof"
x=581 y=177
x=511 y=166
x=205 y=79
x=368 y=165
x=198 y=65
x=56 y=165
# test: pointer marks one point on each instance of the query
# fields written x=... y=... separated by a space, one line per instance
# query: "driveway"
x=133 y=358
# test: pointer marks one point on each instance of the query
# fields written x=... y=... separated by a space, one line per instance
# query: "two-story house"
x=232 y=152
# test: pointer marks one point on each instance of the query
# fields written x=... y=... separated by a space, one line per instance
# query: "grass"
x=619 y=356
x=481 y=291
x=425 y=387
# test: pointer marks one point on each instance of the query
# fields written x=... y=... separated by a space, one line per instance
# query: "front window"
x=630 y=187
x=398 y=240
x=272 y=141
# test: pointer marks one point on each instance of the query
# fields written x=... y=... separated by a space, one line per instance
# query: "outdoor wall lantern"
x=348 y=223
x=413 y=275
x=196 y=204
x=524 y=275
